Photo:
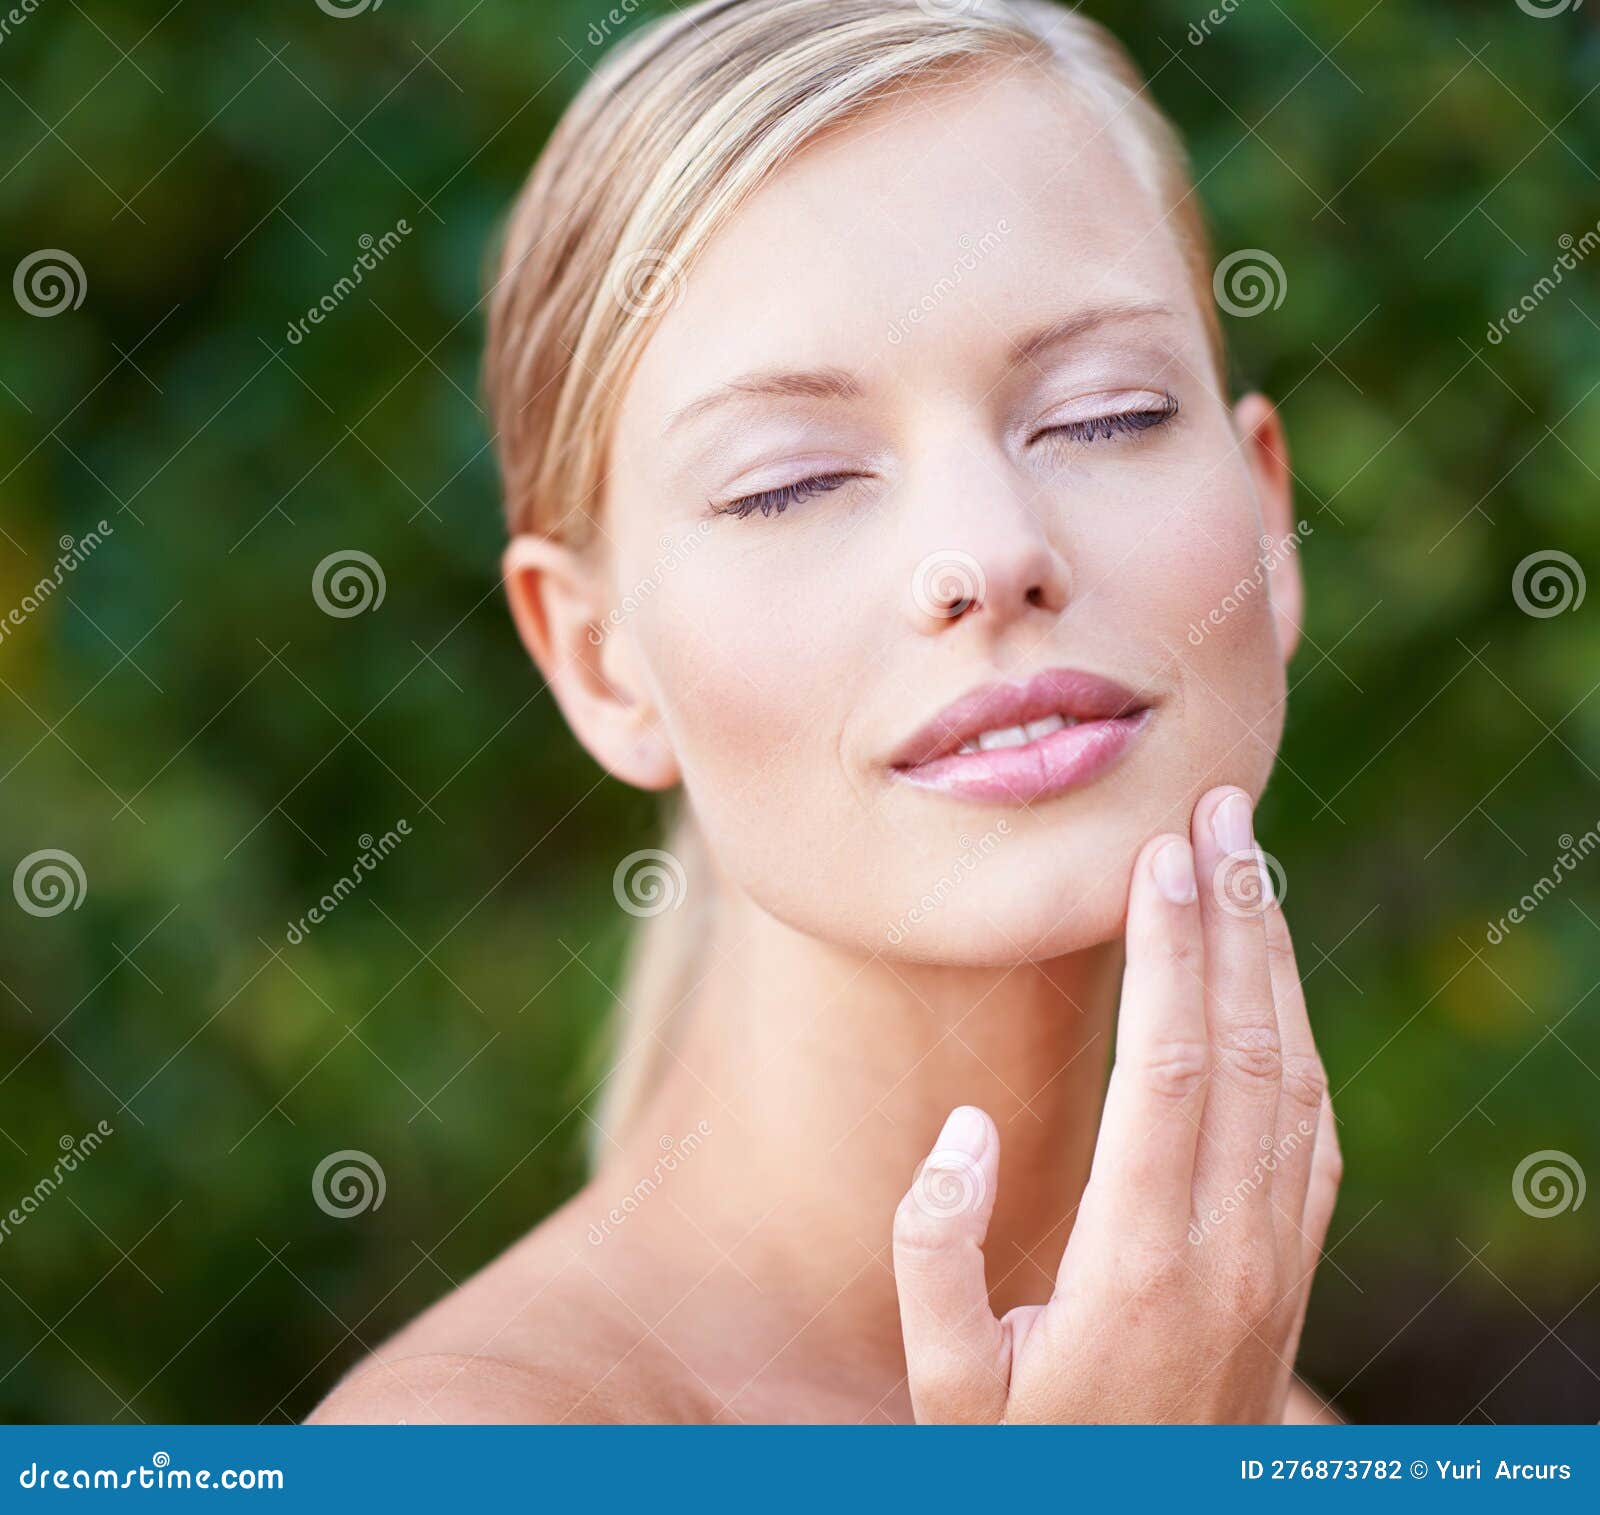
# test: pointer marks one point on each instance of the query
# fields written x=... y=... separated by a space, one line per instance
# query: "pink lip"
x=1108 y=718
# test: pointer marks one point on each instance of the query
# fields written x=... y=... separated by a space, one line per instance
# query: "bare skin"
x=785 y=1269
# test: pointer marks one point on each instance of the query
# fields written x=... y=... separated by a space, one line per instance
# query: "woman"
x=871 y=481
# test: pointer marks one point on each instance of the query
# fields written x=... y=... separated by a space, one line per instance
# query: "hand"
x=1183 y=1288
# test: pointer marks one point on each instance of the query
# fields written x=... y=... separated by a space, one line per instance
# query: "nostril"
x=1035 y=596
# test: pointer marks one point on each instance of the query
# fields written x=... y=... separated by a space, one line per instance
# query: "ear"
x=1266 y=455
x=559 y=602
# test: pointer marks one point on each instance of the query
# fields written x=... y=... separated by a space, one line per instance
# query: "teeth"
x=1006 y=736
x=1018 y=736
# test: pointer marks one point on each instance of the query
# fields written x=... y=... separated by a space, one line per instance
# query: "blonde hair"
x=674 y=130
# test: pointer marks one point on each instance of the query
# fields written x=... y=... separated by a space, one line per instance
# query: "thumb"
x=957 y=1354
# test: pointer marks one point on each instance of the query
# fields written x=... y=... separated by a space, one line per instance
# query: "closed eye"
x=1115 y=424
x=775 y=501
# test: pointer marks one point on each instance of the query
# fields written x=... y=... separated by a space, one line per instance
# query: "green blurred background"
x=182 y=718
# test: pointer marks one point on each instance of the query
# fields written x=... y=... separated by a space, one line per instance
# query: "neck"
x=822 y=1078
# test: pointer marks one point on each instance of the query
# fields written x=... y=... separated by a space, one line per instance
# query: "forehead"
x=977 y=203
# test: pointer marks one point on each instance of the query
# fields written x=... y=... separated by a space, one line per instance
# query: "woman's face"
x=936 y=436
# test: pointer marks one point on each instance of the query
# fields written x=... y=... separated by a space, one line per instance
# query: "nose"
x=982 y=554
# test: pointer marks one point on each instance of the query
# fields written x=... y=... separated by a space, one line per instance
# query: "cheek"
x=1206 y=596
x=753 y=661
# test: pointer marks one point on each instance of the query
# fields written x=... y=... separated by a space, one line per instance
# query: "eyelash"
x=776 y=501
x=772 y=502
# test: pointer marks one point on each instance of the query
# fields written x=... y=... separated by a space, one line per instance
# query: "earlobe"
x=557 y=596
x=1266 y=452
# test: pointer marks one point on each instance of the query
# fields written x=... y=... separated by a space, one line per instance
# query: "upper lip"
x=987 y=707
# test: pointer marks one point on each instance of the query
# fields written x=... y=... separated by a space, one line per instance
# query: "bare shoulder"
x=544 y=1333
x=443 y=1388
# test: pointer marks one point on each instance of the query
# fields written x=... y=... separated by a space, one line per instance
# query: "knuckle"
x=1250 y=1053
x=1177 y=1069
x=917 y=1233
x=1280 y=950
x=1304 y=1080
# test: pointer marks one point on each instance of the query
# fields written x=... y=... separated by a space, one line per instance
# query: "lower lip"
x=1020 y=775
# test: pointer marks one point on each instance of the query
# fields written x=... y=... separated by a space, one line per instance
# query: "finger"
x=957 y=1356
x=1143 y=1172
x=1246 y=1056
x=1300 y=1095
x=1327 y=1170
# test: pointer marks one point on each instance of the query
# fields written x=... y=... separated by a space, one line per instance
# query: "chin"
x=1014 y=907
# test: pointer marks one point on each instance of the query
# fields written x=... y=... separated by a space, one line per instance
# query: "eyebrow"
x=808 y=384
x=837 y=384
x=1069 y=328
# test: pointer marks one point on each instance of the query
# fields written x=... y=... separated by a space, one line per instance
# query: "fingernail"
x=1269 y=895
x=1230 y=824
x=1173 y=867
x=966 y=1131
